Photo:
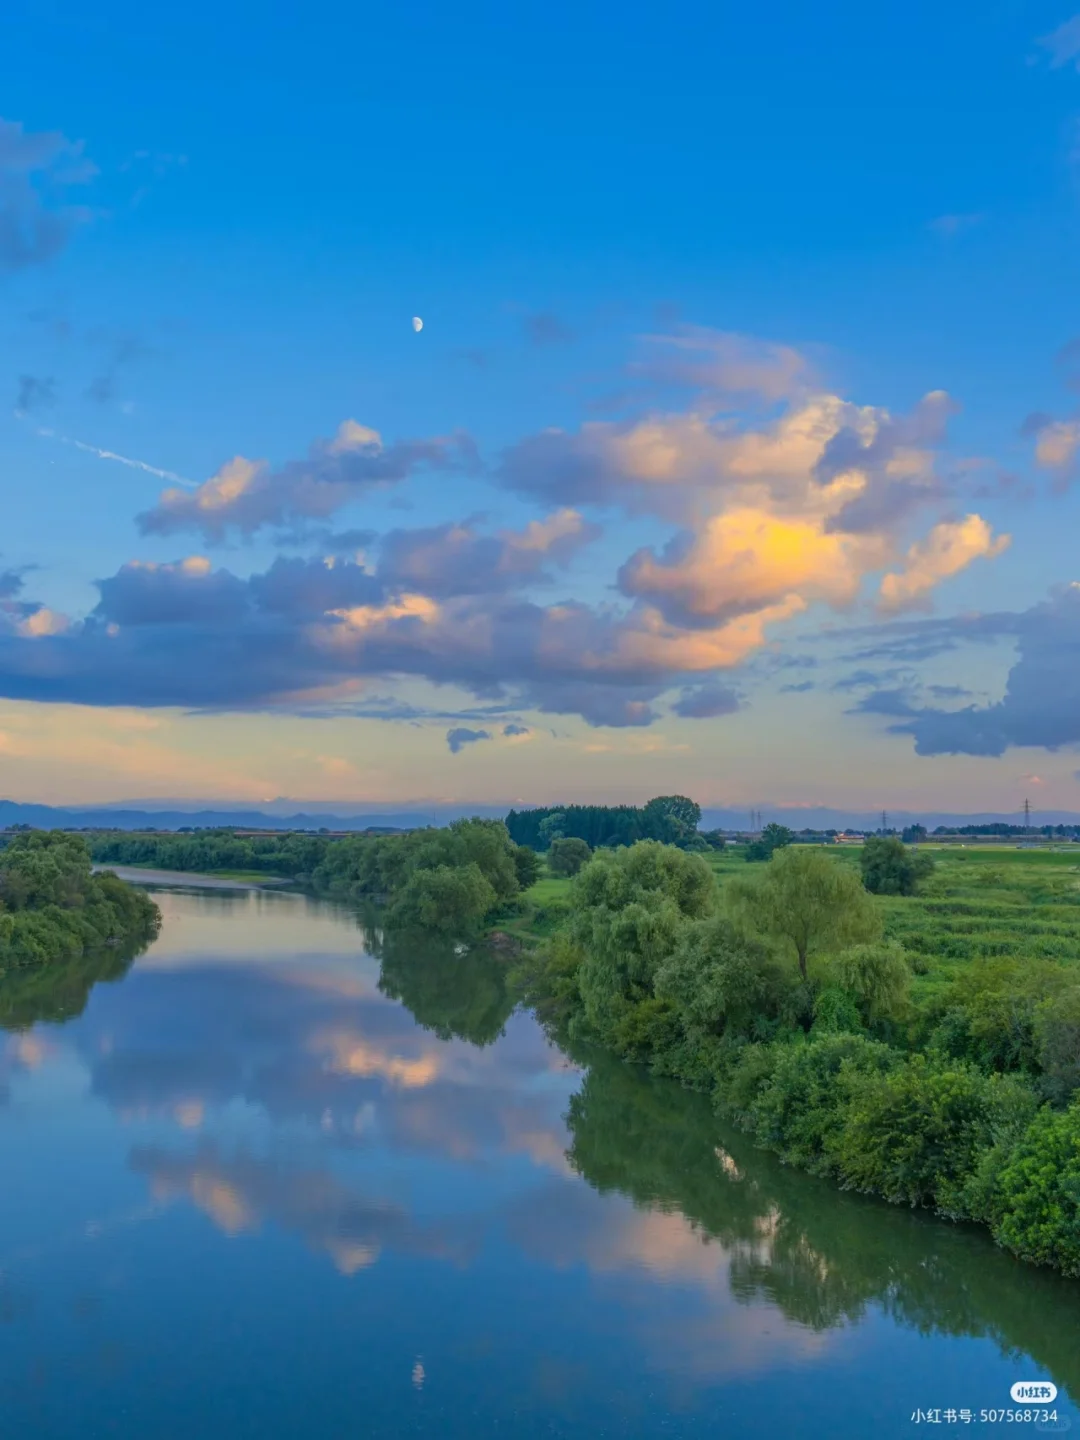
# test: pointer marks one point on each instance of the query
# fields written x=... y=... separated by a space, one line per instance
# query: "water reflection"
x=275 y=1102
x=451 y=991
x=55 y=993
x=823 y=1257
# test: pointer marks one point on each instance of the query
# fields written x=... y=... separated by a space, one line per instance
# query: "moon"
x=417 y=324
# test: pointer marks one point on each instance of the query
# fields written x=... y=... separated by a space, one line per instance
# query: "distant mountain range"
x=277 y=815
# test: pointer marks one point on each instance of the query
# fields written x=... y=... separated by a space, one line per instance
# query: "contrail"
x=120 y=459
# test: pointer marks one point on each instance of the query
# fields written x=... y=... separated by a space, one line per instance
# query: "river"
x=265 y=1184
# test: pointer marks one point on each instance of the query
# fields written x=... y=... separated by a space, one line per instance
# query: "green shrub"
x=915 y=1133
x=567 y=855
x=526 y=866
x=448 y=899
x=800 y=1106
x=1037 y=1193
x=890 y=868
x=1057 y=1041
x=877 y=977
x=718 y=979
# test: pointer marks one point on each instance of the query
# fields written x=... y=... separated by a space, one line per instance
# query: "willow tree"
x=807 y=902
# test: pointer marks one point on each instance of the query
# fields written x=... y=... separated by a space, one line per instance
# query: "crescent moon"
x=417 y=323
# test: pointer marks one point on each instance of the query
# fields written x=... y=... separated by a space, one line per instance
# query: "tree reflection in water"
x=53 y=994
x=456 y=992
x=822 y=1256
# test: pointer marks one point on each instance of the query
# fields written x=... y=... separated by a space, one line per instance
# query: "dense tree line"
x=779 y=997
x=295 y=856
x=1007 y=830
x=53 y=908
x=672 y=819
x=448 y=881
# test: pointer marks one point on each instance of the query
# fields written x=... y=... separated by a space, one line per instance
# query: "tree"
x=451 y=899
x=913 y=834
x=718 y=979
x=807 y=902
x=567 y=855
x=673 y=819
x=889 y=868
x=774 y=837
x=1057 y=1036
x=628 y=910
x=527 y=866
x=552 y=828
x=53 y=907
x=1036 y=1197
x=877 y=977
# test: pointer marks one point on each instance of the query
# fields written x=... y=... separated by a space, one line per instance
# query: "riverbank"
x=55 y=908
x=937 y=1073
x=264 y=1141
x=191 y=879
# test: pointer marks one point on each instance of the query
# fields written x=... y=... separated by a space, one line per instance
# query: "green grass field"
x=980 y=902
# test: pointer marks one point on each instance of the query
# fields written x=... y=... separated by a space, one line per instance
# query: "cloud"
x=34 y=392
x=703 y=702
x=36 y=171
x=759 y=516
x=516 y=730
x=1041 y=704
x=949 y=548
x=239 y=1193
x=747 y=560
x=1056 y=445
x=187 y=634
x=851 y=468
x=546 y=329
x=455 y=559
x=723 y=363
x=460 y=736
x=247 y=495
x=1063 y=44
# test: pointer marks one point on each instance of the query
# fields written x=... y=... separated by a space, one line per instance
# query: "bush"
x=799 y=1108
x=719 y=980
x=890 y=868
x=448 y=899
x=877 y=977
x=1057 y=1041
x=53 y=907
x=628 y=910
x=916 y=1133
x=1036 y=1197
x=526 y=866
x=987 y=1015
x=567 y=856
x=774 y=837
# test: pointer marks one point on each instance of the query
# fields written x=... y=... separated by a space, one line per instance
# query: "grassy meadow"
x=982 y=902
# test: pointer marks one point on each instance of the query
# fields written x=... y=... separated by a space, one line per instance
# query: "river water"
x=264 y=1184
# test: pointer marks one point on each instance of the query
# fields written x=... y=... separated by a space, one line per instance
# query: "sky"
x=736 y=454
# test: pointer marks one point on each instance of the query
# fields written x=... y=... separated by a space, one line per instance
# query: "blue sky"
x=671 y=443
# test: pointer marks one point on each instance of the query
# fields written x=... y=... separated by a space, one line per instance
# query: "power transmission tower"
x=1027 y=815
x=884 y=822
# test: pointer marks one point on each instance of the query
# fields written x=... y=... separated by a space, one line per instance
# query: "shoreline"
x=191 y=879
